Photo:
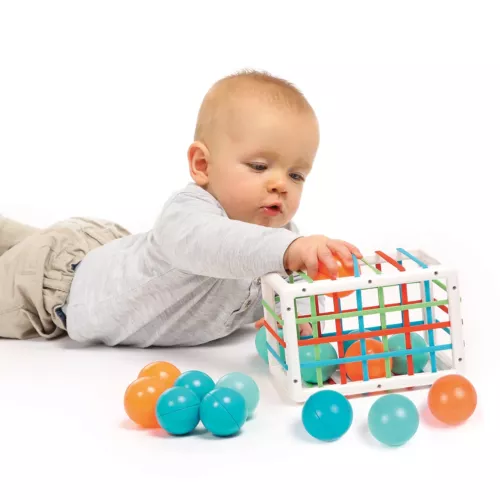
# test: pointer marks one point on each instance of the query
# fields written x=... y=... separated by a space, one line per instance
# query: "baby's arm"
x=195 y=236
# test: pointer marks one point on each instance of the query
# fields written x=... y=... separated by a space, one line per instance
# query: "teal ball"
x=261 y=346
x=393 y=419
x=199 y=382
x=245 y=385
x=223 y=412
x=400 y=363
x=327 y=415
x=178 y=410
x=307 y=354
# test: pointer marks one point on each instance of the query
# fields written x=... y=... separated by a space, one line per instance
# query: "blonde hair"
x=248 y=82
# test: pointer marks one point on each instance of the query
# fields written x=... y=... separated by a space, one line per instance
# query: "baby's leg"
x=21 y=291
x=36 y=274
x=12 y=232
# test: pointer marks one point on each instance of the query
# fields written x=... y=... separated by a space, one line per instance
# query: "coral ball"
x=393 y=419
x=349 y=343
x=452 y=399
x=163 y=369
x=343 y=272
x=327 y=415
x=140 y=400
x=223 y=411
x=375 y=367
x=178 y=410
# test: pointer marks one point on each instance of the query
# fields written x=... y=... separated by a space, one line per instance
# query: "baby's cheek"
x=241 y=193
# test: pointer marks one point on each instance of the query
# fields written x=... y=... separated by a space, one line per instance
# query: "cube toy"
x=405 y=293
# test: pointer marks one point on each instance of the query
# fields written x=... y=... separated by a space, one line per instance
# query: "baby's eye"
x=297 y=177
x=257 y=166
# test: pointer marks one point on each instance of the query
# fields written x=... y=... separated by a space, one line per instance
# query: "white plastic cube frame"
x=289 y=382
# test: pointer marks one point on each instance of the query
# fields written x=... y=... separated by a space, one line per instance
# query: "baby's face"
x=257 y=170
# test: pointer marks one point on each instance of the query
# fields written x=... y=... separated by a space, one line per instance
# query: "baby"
x=194 y=277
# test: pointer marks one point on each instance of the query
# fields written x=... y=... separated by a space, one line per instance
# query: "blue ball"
x=393 y=419
x=199 y=382
x=327 y=415
x=178 y=410
x=307 y=354
x=223 y=411
x=400 y=363
x=245 y=385
x=261 y=346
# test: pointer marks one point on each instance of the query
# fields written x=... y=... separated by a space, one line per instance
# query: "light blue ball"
x=400 y=363
x=393 y=419
x=261 y=346
x=199 y=382
x=223 y=411
x=178 y=410
x=307 y=354
x=327 y=415
x=245 y=385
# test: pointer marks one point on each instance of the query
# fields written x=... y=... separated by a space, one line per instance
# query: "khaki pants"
x=37 y=268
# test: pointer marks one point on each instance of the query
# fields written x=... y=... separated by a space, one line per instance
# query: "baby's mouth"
x=272 y=210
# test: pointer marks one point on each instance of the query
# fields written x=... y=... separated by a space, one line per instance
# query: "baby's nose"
x=277 y=183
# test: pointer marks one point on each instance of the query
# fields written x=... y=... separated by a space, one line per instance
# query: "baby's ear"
x=198 y=158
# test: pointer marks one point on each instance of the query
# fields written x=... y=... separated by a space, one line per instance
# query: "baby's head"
x=255 y=143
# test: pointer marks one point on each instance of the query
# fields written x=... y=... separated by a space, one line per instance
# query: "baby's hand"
x=305 y=329
x=305 y=252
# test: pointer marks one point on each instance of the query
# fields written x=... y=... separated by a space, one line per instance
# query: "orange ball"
x=452 y=399
x=376 y=367
x=140 y=400
x=162 y=369
x=343 y=272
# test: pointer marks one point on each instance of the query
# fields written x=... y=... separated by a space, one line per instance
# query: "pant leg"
x=13 y=232
x=36 y=275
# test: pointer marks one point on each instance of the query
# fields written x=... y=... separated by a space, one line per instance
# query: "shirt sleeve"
x=196 y=236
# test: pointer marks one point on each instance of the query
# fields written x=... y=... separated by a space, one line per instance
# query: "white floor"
x=63 y=430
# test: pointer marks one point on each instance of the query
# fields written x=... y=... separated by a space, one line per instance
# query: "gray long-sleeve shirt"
x=192 y=279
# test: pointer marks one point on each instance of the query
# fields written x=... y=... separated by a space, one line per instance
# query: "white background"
x=98 y=102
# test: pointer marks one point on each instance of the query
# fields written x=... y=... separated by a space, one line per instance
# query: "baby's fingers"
x=326 y=258
x=339 y=248
x=353 y=249
x=311 y=262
